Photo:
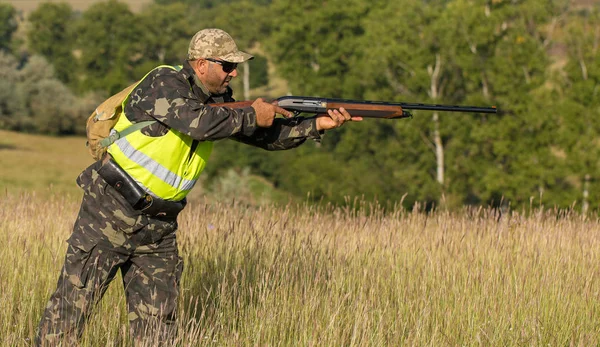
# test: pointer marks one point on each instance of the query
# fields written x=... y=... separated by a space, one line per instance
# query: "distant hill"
x=80 y=5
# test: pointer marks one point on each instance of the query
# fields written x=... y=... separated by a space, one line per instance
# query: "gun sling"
x=117 y=178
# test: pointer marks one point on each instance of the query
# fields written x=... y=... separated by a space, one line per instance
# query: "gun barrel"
x=309 y=104
x=449 y=108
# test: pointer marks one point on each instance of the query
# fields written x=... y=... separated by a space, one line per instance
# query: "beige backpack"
x=103 y=120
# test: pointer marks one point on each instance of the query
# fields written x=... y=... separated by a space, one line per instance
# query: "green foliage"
x=8 y=25
x=246 y=22
x=33 y=100
x=164 y=36
x=259 y=71
x=111 y=47
x=238 y=185
x=50 y=104
x=315 y=44
x=484 y=53
x=579 y=107
x=209 y=4
x=537 y=60
x=11 y=105
x=494 y=58
x=582 y=68
x=50 y=35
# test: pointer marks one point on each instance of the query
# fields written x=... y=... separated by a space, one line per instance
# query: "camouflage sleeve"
x=286 y=133
x=168 y=98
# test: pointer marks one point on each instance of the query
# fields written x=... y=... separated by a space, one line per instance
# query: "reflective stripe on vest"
x=151 y=165
x=164 y=165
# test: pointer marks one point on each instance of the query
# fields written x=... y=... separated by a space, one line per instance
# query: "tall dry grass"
x=300 y=275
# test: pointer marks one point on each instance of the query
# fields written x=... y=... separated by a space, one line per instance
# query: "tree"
x=50 y=35
x=8 y=25
x=497 y=54
x=579 y=87
x=11 y=105
x=165 y=34
x=404 y=62
x=111 y=47
x=314 y=51
x=50 y=106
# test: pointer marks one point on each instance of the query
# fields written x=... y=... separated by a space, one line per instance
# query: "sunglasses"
x=225 y=65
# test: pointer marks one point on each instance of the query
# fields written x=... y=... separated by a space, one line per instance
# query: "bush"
x=33 y=100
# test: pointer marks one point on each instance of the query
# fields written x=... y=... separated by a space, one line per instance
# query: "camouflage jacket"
x=165 y=95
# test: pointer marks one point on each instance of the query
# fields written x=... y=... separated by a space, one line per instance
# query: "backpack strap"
x=115 y=135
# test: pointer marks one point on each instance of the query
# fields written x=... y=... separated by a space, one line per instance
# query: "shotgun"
x=359 y=108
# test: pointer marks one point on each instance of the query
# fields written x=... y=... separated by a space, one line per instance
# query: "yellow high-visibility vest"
x=166 y=166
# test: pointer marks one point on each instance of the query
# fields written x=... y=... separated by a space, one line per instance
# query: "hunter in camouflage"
x=109 y=234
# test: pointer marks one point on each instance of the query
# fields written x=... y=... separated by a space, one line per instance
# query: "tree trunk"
x=439 y=148
x=586 y=193
x=434 y=74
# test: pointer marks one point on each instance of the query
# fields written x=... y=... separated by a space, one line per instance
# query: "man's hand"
x=265 y=112
x=335 y=119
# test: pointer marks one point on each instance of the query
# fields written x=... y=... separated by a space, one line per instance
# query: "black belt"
x=117 y=178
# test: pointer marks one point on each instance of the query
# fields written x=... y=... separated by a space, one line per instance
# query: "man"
x=132 y=197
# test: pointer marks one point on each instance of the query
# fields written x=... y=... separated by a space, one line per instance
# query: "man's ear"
x=200 y=66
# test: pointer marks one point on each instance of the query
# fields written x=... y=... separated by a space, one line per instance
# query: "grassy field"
x=314 y=276
x=298 y=275
x=41 y=163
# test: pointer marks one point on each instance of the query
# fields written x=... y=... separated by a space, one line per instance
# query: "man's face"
x=215 y=74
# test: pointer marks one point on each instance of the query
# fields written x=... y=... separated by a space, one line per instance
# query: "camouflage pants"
x=109 y=236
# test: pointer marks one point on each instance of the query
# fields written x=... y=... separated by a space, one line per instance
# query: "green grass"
x=41 y=163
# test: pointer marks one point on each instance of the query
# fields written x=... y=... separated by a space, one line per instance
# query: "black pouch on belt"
x=114 y=175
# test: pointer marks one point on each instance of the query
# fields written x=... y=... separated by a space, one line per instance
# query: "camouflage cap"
x=215 y=43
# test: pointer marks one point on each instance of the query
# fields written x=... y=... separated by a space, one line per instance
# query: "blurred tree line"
x=537 y=60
